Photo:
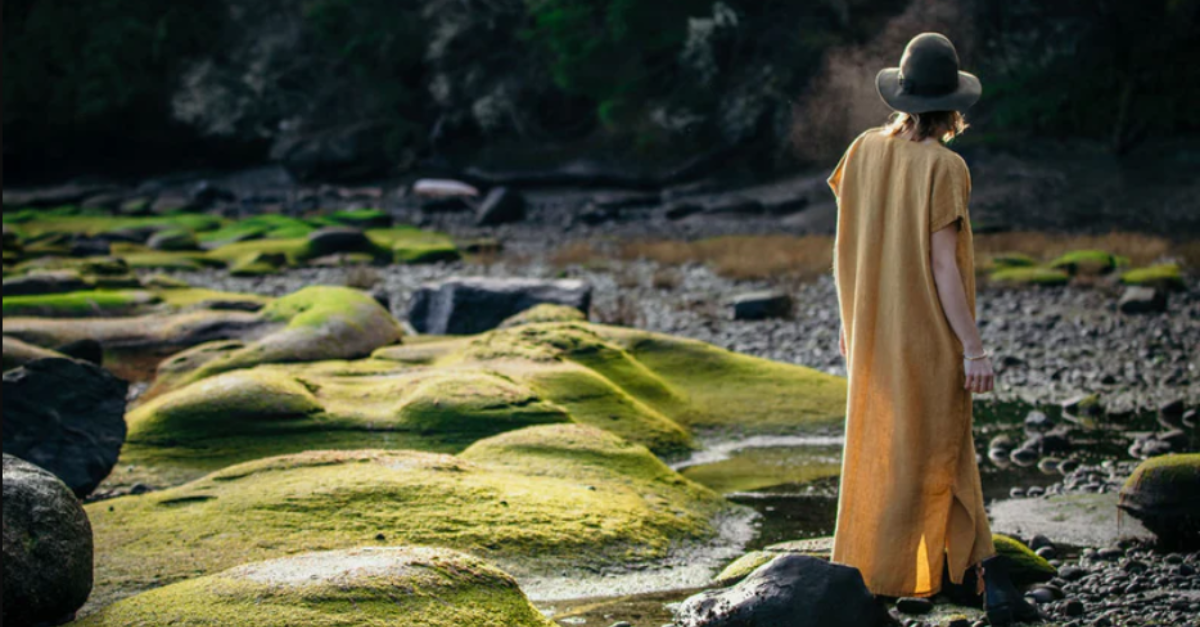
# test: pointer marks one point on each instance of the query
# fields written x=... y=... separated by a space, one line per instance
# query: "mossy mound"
x=1166 y=276
x=1012 y=260
x=545 y=312
x=1030 y=275
x=258 y=264
x=413 y=586
x=148 y=331
x=32 y=223
x=1086 y=262
x=319 y=323
x=394 y=245
x=565 y=509
x=18 y=353
x=1164 y=493
x=1026 y=567
x=91 y=303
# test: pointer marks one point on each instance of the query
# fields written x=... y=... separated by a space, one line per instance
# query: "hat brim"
x=887 y=82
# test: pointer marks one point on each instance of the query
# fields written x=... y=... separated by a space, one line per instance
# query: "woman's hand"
x=980 y=377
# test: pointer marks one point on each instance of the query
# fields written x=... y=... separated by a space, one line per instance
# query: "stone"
x=173 y=240
x=442 y=188
x=761 y=305
x=370 y=587
x=338 y=239
x=914 y=605
x=789 y=591
x=47 y=547
x=1141 y=299
x=466 y=305
x=45 y=282
x=1161 y=493
x=501 y=206
x=85 y=349
x=66 y=416
x=1038 y=421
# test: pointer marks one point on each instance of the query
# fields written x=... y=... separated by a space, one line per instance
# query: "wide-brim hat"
x=928 y=78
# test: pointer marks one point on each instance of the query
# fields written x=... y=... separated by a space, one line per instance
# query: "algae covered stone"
x=1025 y=566
x=1164 y=493
x=377 y=586
x=1030 y=275
x=1086 y=262
x=1165 y=276
x=541 y=500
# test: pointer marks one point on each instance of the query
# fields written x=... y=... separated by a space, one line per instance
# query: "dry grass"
x=744 y=257
x=797 y=259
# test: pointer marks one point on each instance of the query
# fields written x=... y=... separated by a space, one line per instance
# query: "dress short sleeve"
x=951 y=191
x=835 y=179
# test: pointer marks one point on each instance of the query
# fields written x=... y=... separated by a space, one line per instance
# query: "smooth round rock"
x=47 y=547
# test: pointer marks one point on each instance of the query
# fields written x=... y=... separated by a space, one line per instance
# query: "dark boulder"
x=87 y=349
x=47 y=547
x=501 y=206
x=66 y=416
x=45 y=282
x=466 y=305
x=789 y=591
x=339 y=239
x=761 y=305
x=1139 y=299
x=1162 y=493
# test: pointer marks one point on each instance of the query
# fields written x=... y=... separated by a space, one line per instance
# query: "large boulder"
x=1164 y=493
x=66 y=416
x=371 y=587
x=47 y=547
x=502 y=205
x=465 y=305
x=789 y=591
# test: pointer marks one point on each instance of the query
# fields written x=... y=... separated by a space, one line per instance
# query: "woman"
x=910 y=503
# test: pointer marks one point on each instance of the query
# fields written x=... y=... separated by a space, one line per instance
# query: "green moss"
x=1027 y=567
x=258 y=264
x=176 y=261
x=742 y=566
x=597 y=502
x=1013 y=260
x=366 y=587
x=361 y=218
x=79 y=304
x=1035 y=275
x=321 y=322
x=1087 y=262
x=1166 y=275
x=545 y=312
x=40 y=222
x=411 y=245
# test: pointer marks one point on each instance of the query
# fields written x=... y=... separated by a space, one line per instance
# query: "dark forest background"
x=367 y=88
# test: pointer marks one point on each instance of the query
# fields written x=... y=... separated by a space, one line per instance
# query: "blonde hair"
x=944 y=125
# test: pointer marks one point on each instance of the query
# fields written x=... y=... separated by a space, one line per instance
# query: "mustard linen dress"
x=910 y=489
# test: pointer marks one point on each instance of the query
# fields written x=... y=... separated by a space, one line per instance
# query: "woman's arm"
x=980 y=377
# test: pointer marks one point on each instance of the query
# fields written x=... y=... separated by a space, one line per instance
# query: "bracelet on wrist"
x=983 y=355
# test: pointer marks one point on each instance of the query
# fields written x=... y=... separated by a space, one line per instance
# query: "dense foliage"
x=417 y=77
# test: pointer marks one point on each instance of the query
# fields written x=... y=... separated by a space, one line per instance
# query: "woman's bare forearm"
x=954 y=303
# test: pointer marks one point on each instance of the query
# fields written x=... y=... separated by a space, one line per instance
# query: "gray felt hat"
x=928 y=78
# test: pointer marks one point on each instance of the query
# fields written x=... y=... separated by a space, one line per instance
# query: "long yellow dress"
x=910 y=489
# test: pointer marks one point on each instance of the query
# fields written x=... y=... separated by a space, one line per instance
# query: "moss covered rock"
x=1166 y=276
x=1163 y=493
x=1030 y=275
x=538 y=500
x=545 y=312
x=90 y=303
x=258 y=264
x=417 y=586
x=318 y=323
x=1086 y=262
x=1012 y=260
x=742 y=566
x=1026 y=567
